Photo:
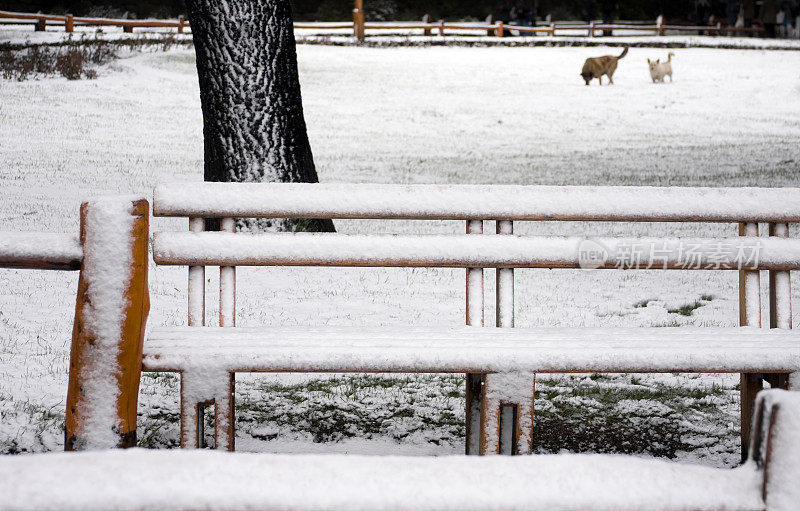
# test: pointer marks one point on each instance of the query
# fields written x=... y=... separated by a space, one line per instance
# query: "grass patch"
x=689 y=308
x=72 y=59
x=364 y=406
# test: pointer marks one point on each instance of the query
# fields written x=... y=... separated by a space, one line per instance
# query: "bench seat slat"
x=472 y=349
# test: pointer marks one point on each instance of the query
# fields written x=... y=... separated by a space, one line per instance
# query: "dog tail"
x=624 y=52
x=669 y=56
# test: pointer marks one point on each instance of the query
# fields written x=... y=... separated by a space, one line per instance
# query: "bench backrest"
x=473 y=204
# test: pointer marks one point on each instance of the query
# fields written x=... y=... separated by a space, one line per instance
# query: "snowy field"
x=409 y=115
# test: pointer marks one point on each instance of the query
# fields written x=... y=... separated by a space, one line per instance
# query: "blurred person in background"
x=732 y=9
x=768 y=17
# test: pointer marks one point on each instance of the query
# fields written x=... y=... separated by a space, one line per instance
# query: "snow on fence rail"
x=40 y=251
x=360 y=27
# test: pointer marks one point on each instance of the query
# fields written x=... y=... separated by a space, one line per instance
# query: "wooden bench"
x=168 y=480
x=499 y=362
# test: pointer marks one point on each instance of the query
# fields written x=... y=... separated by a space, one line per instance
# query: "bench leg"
x=507 y=414
x=793 y=382
x=191 y=417
x=197 y=392
x=474 y=400
x=224 y=416
x=750 y=385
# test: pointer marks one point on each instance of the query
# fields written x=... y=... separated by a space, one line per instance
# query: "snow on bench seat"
x=137 y=479
x=471 y=349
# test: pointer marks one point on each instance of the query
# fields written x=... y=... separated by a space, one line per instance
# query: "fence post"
x=660 y=25
x=41 y=25
x=426 y=19
x=127 y=28
x=180 y=24
x=441 y=28
x=552 y=28
x=749 y=315
x=591 y=29
x=499 y=29
x=110 y=316
x=358 y=20
x=69 y=23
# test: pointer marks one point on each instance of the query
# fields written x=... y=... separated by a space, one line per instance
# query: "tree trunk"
x=253 y=123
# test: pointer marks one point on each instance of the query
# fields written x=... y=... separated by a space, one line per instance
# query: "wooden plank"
x=40 y=251
x=132 y=330
x=459 y=251
x=476 y=202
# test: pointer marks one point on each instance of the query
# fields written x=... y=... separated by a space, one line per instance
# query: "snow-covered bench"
x=499 y=362
x=167 y=480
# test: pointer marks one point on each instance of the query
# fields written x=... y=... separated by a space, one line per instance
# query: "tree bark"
x=253 y=124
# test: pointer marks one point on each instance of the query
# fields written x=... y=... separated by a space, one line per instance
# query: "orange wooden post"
x=475 y=317
x=660 y=24
x=69 y=23
x=181 y=22
x=591 y=29
x=127 y=28
x=749 y=315
x=426 y=20
x=358 y=20
x=41 y=25
x=441 y=28
x=499 y=29
x=105 y=354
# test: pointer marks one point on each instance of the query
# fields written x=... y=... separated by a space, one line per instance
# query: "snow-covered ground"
x=408 y=115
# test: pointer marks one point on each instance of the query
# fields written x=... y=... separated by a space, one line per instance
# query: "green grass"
x=689 y=308
x=608 y=413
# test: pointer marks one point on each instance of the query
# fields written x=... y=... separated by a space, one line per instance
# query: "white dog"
x=658 y=69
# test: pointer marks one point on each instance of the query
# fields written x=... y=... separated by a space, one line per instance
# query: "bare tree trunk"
x=253 y=123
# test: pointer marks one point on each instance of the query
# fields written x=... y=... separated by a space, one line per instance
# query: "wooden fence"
x=360 y=27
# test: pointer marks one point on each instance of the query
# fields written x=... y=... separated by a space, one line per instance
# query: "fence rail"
x=40 y=251
x=360 y=27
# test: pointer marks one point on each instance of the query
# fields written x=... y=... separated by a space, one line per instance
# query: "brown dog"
x=596 y=67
